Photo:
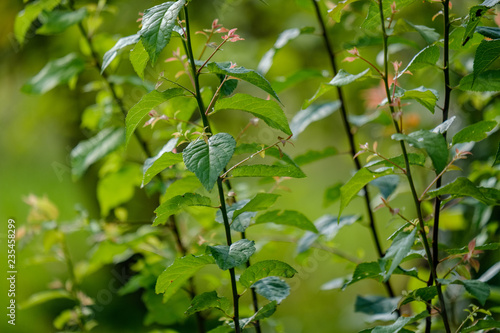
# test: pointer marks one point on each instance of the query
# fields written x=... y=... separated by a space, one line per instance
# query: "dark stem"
x=409 y=176
x=350 y=136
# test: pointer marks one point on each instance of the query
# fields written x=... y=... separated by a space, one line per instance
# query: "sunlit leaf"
x=156 y=164
x=372 y=20
x=45 y=296
x=475 y=132
x=336 y=12
x=426 y=57
x=227 y=257
x=264 y=269
x=139 y=59
x=273 y=288
x=474 y=17
x=58 y=21
x=29 y=14
x=287 y=217
x=425 y=294
x=120 y=44
x=178 y=203
x=399 y=324
x=262 y=170
x=486 y=81
x=463 y=187
x=481 y=325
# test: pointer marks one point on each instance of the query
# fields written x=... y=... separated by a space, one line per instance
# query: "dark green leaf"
x=375 y=305
x=145 y=105
x=157 y=25
x=269 y=111
x=55 y=72
x=179 y=272
x=264 y=269
x=386 y=185
x=481 y=325
x=120 y=44
x=139 y=59
x=356 y=184
x=497 y=157
x=272 y=288
x=462 y=187
x=490 y=32
x=239 y=223
x=178 y=203
x=425 y=294
x=287 y=217
x=242 y=73
x=475 y=14
x=475 y=132
x=261 y=170
x=372 y=21
x=238 y=253
x=207 y=161
x=58 y=21
x=426 y=57
x=208 y=300
x=433 y=143
x=92 y=150
x=261 y=201
x=486 y=81
x=487 y=52
x=400 y=247
x=29 y=14
x=164 y=159
x=399 y=325
x=365 y=270
x=311 y=114
x=480 y=290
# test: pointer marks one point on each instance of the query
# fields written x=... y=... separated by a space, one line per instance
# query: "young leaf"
x=311 y=114
x=264 y=269
x=242 y=73
x=157 y=25
x=29 y=14
x=177 y=204
x=164 y=159
x=146 y=104
x=462 y=187
x=376 y=305
x=344 y=78
x=55 y=72
x=261 y=201
x=58 y=21
x=269 y=111
x=207 y=161
x=139 y=59
x=485 y=81
x=92 y=150
x=172 y=278
x=433 y=143
x=487 y=52
x=426 y=57
x=315 y=155
x=480 y=290
x=287 y=217
x=356 y=184
x=120 y=44
x=227 y=257
x=475 y=132
x=262 y=170
x=208 y=300
x=272 y=288
x=400 y=247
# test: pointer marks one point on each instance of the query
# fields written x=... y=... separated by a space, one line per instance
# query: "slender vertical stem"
x=409 y=176
x=350 y=136
x=206 y=124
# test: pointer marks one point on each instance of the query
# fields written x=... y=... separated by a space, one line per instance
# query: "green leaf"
x=497 y=157
x=365 y=270
x=481 y=325
x=462 y=187
x=475 y=132
x=242 y=73
x=400 y=247
x=261 y=201
x=164 y=159
x=487 y=52
x=273 y=288
x=45 y=296
x=227 y=257
x=375 y=304
x=302 y=75
x=480 y=290
x=209 y=300
x=331 y=195
x=425 y=294
x=428 y=34
x=269 y=111
x=264 y=269
x=264 y=312
x=287 y=217
x=433 y=143
x=344 y=78
x=490 y=32
x=372 y=21
x=486 y=81
x=172 y=278
x=475 y=14
x=239 y=223
x=414 y=159
x=120 y=44
x=222 y=329
x=146 y=104
x=182 y=186
x=58 y=21
x=399 y=324
x=117 y=188
x=311 y=114
x=207 y=161
x=92 y=150
x=261 y=170
x=178 y=203
x=139 y=59
x=356 y=184
x=56 y=72
x=426 y=57
x=386 y=185
x=336 y=12
x=426 y=97
x=29 y=14
x=315 y=155
x=157 y=25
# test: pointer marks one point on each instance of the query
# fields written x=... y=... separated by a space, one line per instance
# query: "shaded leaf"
x=227 y=257
x=426 y=57
x=92 y=150
x=264 y=312
x=239 y=223
x=311 y=114
x=475 y=14
x=400 y=247
x=272 y=288
x=56 y=72
x=485 y=81
x=208 y=300
x=207 y=161
x=261 y=170
x=261 y=201
x=372 y=21
x=481 y=325
x=486 y=53
x=269 y=111
x=178 y=203
x=58 y=21
x=490 y=32
x=120 y=44
x=386 y=185
x=428 y=34
x=399 y=324
x=30 y=13
x=164 y=159
x=475 y=132
x=375 y=305
x=480 y=290
x=463 y=187
x=497 y=157
x=413 y=159
x=264 y=269
x=45 y=296
x=287 y=217
x=425 y=294
x=344 y=78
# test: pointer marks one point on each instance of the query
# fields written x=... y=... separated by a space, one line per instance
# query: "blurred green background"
x=38 y=133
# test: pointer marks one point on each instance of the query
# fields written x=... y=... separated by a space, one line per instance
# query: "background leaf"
x=30 y=13
x=120 y=44
x=311 y=114
x=178 y=203
x=58 y=21
x=287 y=217
x=208 y=300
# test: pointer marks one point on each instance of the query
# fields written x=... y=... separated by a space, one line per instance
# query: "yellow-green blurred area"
x=38 y=133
